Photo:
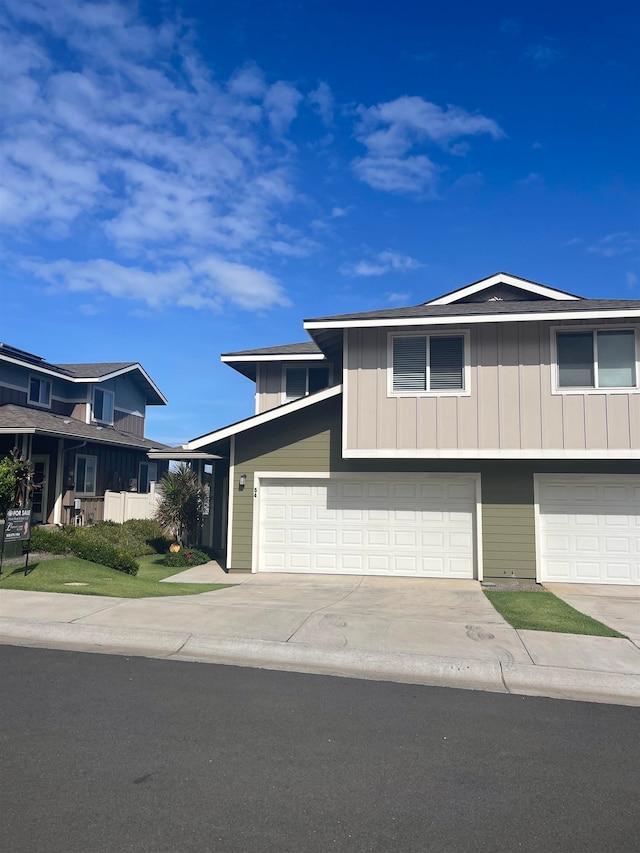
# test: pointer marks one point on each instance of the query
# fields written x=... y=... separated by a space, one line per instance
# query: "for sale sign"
x=17 y=525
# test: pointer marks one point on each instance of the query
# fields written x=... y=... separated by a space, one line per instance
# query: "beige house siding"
x=269 y=381
x=309 y=440
x=268 y=386
x=511 y=404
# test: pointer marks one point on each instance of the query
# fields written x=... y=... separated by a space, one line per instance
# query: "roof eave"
x=430 y=320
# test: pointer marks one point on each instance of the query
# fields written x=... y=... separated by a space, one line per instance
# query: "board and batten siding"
x=510 y=405
x=298 y=442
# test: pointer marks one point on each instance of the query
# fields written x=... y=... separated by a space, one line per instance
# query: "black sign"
x=17 y=525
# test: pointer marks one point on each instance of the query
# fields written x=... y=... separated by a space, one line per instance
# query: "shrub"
x=106 y=555
x=186 y=557
x=51 y=541
x=74 y=540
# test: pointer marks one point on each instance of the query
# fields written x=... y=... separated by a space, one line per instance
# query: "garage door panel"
x=589 y=528
x=368 y=526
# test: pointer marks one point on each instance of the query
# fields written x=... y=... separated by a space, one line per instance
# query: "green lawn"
x=543 y=611
x=51 y=576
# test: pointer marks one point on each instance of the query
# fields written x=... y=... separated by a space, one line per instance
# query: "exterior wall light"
x=242 y=481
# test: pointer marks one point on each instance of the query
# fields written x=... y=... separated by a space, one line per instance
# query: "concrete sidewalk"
x=397 y=629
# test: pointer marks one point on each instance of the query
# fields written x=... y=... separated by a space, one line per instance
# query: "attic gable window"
x=300 y=381
x=428 y=363
x=40 y=391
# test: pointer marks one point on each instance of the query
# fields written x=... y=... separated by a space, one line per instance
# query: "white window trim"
x=557 y=389
x=308 y=367
x=448 y=333
x=93 y=406
x=39 y=379
x=95 y=476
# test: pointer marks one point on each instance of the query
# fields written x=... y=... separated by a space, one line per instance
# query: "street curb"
x=435 y=671
x=580 y=684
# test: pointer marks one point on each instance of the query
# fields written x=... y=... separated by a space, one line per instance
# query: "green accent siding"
x=300 y=442
x=508 y=523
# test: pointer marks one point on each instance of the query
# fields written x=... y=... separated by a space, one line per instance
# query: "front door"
x=41 y=481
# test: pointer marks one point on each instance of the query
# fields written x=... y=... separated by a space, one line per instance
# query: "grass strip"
x=53 y=575
x=543 y=611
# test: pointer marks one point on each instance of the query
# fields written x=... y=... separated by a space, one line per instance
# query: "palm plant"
x=180 y=503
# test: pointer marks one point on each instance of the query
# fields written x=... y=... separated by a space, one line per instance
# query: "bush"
x=74 y=540
x=106 y=555
x=52 y=541
x=186 y=557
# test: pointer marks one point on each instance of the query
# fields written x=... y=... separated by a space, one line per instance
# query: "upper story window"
x=300 y=381
x=103 y=406
x=40 y=391
x=598 y=358
x=429 y=364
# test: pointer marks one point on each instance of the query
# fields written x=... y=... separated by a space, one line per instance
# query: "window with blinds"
x=428 y=363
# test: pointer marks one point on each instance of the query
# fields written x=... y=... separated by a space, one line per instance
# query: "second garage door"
x=589 y=528
x=405 y=526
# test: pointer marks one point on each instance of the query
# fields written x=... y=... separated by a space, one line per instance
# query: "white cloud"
x=339 y=212
x=398 y=298
x=632 y=280
x=543 y=54
x=619 y=243
x=323 y=102
x=141 y=148
x=381 y=263
x=393 y=130
x=210 y=283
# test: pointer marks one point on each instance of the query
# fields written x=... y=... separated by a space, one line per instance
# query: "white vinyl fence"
x=121 y=506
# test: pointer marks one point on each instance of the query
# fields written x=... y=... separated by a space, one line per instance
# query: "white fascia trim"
x=231 y=486
x=232 y=359
x=485 y=283
x=84 y=380
x=264 y=417
x=474 y=453
x=178 y=455
x=536 y=527
x=617 y=313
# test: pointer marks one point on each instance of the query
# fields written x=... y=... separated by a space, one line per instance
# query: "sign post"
x=17 y=528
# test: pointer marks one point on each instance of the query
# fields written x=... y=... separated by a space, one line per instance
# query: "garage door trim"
x=349 y=475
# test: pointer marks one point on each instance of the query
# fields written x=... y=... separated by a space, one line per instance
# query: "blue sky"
x=181 y=179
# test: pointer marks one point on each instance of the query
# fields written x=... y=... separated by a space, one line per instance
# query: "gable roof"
x=524 y=286
x=22 y=420
x=86 y=372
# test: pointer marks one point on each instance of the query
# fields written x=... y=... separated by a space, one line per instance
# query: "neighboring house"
x=82 y=427
x=492 y=432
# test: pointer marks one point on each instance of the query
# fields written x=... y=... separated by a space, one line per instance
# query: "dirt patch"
x=514 y=586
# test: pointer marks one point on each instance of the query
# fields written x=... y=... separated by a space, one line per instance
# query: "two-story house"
x=81 y=426
x=490 y=433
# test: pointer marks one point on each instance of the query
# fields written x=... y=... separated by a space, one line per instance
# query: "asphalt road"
x=102 y=753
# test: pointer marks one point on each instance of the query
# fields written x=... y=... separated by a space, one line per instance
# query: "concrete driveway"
x=402 y=615
x=615 y=606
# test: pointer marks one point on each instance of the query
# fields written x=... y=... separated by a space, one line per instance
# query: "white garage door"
x=416 y=526
x=589 y=529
